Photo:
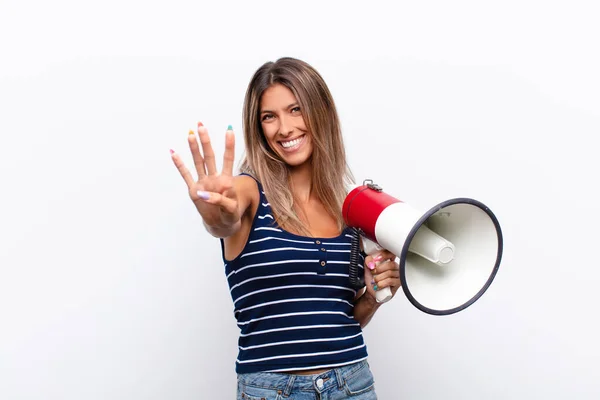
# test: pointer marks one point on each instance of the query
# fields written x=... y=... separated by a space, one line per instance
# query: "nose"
x=285 y=127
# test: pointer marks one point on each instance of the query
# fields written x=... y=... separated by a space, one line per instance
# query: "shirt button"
x=323 y=249
x=318 y=242
x=322 y=263
x=320 y=383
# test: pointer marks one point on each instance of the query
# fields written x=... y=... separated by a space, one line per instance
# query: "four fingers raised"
x=204 y=162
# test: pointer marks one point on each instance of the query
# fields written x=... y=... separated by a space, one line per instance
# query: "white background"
x=111 y=289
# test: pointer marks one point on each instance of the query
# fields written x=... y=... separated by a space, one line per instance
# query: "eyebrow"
x=287 y=108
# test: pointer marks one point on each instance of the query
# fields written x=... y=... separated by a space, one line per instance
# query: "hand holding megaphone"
x=448 y=256
x=370 y=247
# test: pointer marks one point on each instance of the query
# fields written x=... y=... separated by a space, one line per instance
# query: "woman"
x=285 y=247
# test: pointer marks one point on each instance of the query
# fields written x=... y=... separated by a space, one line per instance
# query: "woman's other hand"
x=381 y=271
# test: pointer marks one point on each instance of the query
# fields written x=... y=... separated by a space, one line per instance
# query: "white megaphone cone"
x=448 y=255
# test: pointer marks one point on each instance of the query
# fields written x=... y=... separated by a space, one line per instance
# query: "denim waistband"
x=286 y=383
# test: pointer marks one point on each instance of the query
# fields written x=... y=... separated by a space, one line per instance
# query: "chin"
x=296 y=161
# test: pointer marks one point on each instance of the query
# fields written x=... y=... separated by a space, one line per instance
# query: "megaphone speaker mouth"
x=469 y=239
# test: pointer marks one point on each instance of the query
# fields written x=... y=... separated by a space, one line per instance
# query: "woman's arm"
x=364 y=308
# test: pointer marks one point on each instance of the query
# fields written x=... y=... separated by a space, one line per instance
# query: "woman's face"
x=283 y=125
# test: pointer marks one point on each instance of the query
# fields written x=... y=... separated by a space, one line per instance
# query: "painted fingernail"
x=172 y=151
x=375 y=287
x=229 y=127
x=191 y=132
x=372 y=281
x=371 y=265
x=203 y=195
x=378 y=257
x=200 y=124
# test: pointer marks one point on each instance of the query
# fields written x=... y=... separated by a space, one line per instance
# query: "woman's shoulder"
x=246 y=181
x=247 y=190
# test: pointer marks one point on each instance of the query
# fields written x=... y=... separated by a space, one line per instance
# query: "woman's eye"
x=296 y=109
x=266 y=117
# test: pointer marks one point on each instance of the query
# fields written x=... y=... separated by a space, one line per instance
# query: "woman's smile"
x=293 y=144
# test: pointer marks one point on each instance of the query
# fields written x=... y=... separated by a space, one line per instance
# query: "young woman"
x=285 y=247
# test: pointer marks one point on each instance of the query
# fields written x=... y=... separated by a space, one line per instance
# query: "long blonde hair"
x=330 y=171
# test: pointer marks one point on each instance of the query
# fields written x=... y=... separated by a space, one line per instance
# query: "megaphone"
x=448 y=255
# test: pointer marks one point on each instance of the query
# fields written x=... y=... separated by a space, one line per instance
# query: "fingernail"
x=378 y=257
x=200 y=124
x=191 y=132
x=203 y=195
x=229 y=127
x=371 y=265
x=375 y=287
x=372 y=281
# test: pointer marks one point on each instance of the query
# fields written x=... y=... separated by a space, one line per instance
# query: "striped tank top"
x=292 y=299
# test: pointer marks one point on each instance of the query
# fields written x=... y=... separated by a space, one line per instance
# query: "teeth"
x=291 y=143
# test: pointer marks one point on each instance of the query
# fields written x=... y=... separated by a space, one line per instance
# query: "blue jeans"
x=353 y=381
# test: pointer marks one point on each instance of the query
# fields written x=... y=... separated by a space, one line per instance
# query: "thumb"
x=228 y=205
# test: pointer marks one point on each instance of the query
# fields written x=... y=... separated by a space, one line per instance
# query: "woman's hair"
x=330 y=172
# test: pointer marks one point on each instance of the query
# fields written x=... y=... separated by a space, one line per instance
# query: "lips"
x=291 y=145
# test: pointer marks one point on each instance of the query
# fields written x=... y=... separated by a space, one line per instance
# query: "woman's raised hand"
x=213 y=194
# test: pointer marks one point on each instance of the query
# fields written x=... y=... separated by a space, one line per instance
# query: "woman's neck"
x=301 y=182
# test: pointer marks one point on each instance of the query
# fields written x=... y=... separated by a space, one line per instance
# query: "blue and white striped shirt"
x=292 y=299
